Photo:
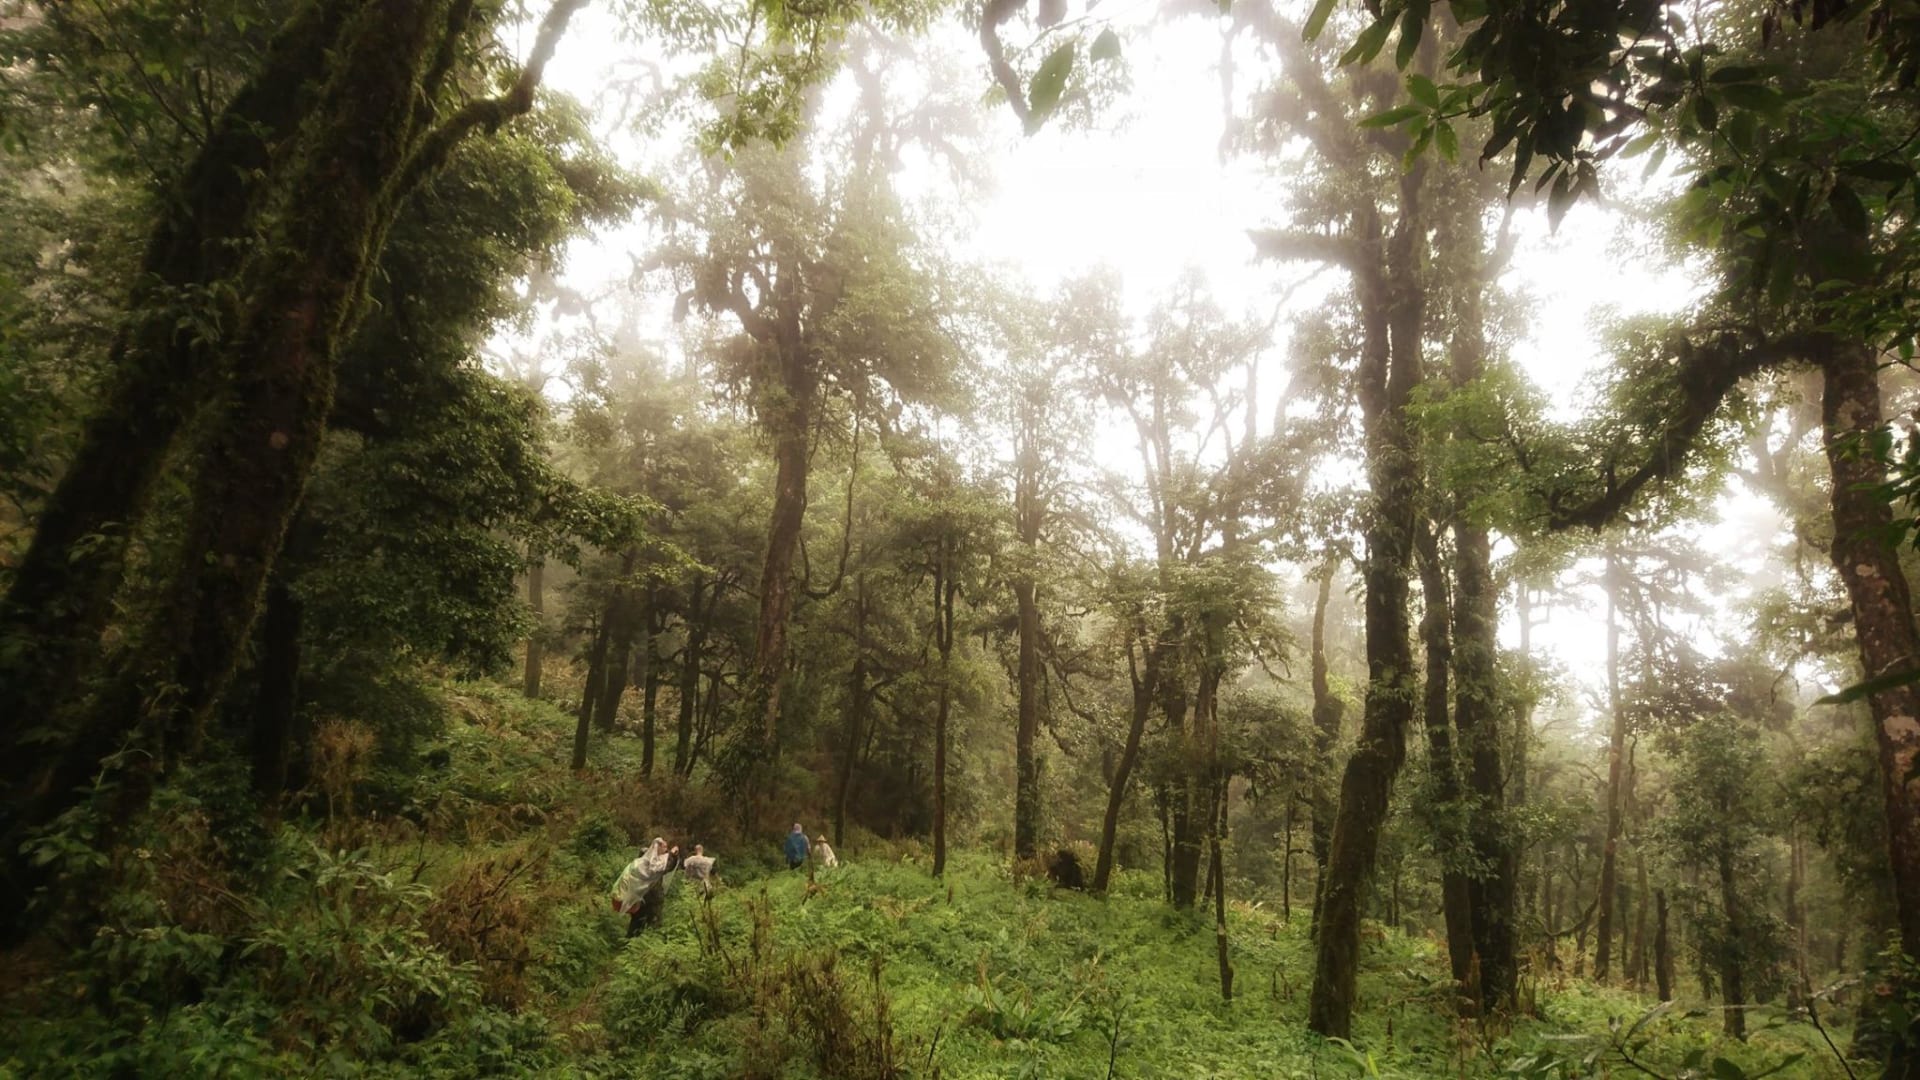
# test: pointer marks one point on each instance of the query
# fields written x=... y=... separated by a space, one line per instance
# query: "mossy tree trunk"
x=690 y=659
x=536 y=641
x=1392 y=304
x=279 y=693
x=1443 y=772
x=946 y=589
x=1030 y=513
x=1143 y=675
x=789 y=418
x=590 y=695
x=165 y=370
x=616 y=663
x=1327 y=713
x=362 y=132
x=859 y=693
x=647 y=673
x=1882 y=605
x=1616 y=770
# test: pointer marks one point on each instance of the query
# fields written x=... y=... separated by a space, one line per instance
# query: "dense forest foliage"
x=1153 y=685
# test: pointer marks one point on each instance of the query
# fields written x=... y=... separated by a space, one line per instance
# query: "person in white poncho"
x=699 y=869
x=638 y=893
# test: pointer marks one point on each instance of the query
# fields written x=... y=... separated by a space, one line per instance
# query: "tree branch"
x=1703 y=374
x=490 y=113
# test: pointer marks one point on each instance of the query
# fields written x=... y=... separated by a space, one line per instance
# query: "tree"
x=831 y=301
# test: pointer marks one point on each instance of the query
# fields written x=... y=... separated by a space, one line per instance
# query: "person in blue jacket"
x=797 y=847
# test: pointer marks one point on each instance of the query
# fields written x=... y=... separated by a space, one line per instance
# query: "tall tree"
x=832 y=302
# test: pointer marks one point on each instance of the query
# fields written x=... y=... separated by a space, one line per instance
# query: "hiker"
x=699 y=869
x=796 y=848
x=639 y=894
x=827 y=858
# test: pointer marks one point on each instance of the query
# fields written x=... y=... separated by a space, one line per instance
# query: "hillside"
x=467 y=933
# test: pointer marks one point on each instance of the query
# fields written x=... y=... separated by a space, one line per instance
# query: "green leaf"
x=1317 y=21
x=1446 y=140
x=1743 y=131
x=1640 y=145
x=1848 y=210
x=1522 y=160
x=1043 y=93
x=1367 y=45
x=1763 y=99
x=1399 y=114
x=1422 y=140
x=1412 y=24
x=1559 y=199
x=1722 y=1069
x=1735 y=73
x=1423 y=91
x=1106 y=46
x=1878 y=169
x=1706 y=112
x=1653 y=163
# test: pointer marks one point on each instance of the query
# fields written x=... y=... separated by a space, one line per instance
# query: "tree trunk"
x=1455 y=904
x=1616 y=761
x=1192 y=789
x=1327 y=713
x=590 y=695
x=164 y=372
x=1882 y=610
x=1548 y=920
x=1662 y=952
x=1144 y=677
x=856 y=713
x=1029 y=511
x=1732 y=981
x=1286 y=864
x=646 y=673
x=1183 y=848
x=1478 y=713
x=945 y=590
x=252 y=469
x=619 y=621
x=1392 y=310
x=279 y=693
x=1218 y=872
x=1026 y=798
x=536 y=642
x=1801 y=986
x=789 y=426
x=690 y=678
x=297 y=294
x=1637 y=959
x=1494 y=890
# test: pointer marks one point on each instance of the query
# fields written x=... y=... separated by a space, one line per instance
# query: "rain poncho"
x=796 y=847
x=699 y=870
x=640 y=875
x=825 y=854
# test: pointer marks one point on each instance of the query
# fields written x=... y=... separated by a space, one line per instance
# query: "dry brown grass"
x=487 y=914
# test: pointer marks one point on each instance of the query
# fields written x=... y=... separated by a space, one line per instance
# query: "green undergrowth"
x=451 y=920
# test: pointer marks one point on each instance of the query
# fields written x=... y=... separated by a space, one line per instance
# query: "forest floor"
x=466 y=932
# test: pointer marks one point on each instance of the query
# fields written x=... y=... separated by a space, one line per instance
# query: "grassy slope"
x=986 y=976
x=470 y=936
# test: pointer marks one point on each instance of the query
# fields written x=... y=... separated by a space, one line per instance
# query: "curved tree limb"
x=490 y=113
x=1704 y=374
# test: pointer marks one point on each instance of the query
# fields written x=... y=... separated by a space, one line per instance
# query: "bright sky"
x=1146 y=193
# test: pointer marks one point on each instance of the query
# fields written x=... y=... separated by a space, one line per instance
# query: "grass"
x=464 y=931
